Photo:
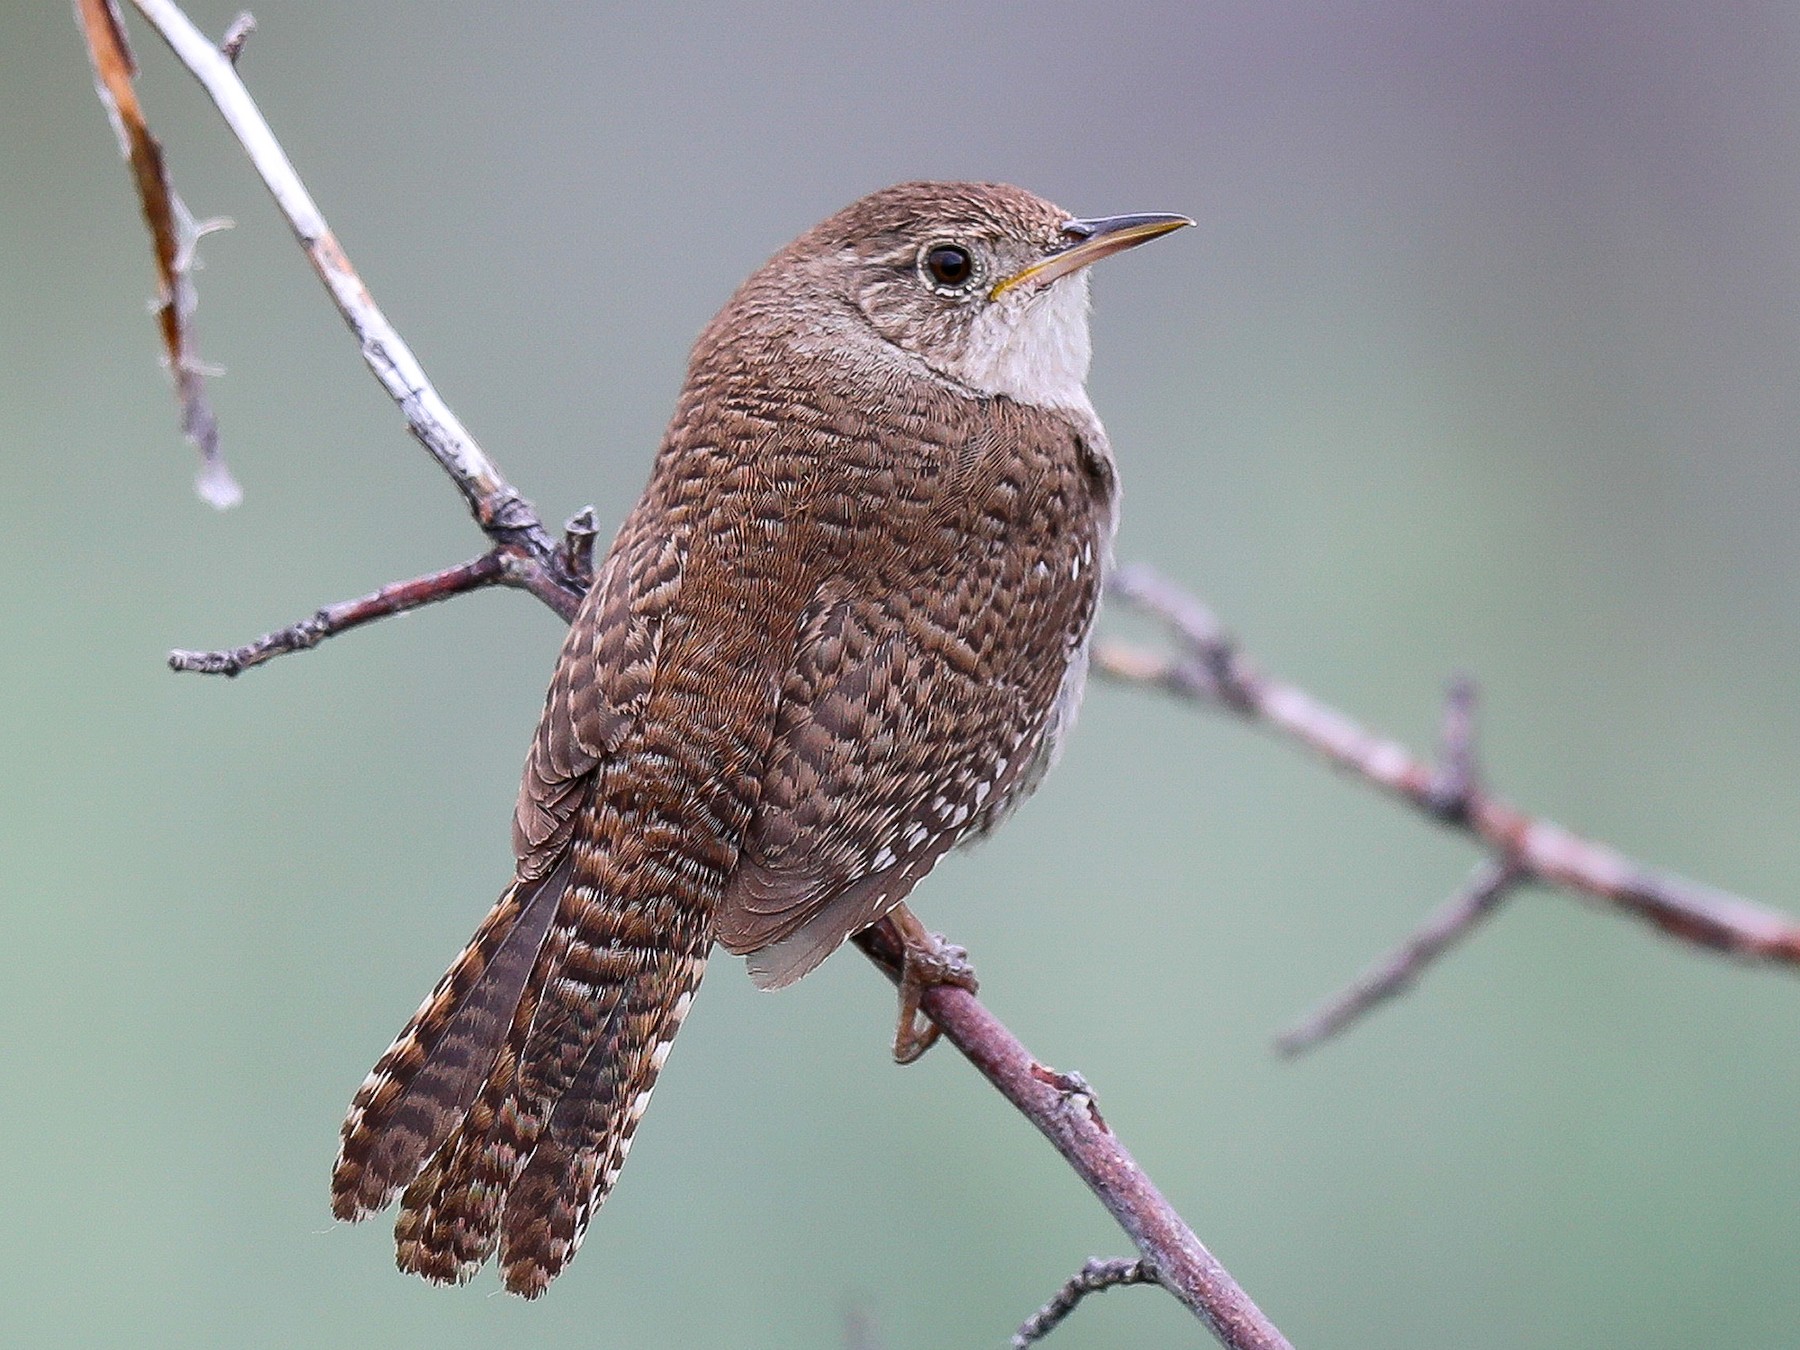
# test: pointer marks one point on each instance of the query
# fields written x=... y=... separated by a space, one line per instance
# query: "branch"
x=559 y=587
x=174 y=238
x=1209 y=669
x=504 y=515
x=1059 y=1105
x=487 y=570
x=1062 y=1107
x=1093 y=1278
x=1490 y=883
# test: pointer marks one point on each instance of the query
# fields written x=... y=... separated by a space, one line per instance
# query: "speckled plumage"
x=841 y=632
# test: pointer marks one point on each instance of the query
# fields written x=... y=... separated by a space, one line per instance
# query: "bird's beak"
x=1090 y=241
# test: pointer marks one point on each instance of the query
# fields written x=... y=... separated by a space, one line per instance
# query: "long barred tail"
x=425 y=1082
x=545 y=1141
x=507 y=1106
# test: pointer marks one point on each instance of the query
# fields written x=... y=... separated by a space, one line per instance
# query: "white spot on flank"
x=885 y=858
x=981 y=792
x=660 y=1056
x=636 y=1111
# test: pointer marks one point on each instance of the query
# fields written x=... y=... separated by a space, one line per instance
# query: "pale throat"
x=1035 y=349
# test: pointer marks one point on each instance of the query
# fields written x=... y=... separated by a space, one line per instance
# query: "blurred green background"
x=1483 y=358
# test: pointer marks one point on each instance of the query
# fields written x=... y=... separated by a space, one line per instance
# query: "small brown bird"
x=844 y=629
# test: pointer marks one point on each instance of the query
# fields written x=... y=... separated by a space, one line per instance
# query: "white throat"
x=1034 y=349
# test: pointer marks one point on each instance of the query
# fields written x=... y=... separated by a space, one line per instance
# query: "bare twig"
x=1449 y=796
x=502 y=513
x=576 y=556
x=533 y=561
x=860 y=1331
x=490 y=569
x=1062 y=1107
x=1059 y=1105
x=1210 y=669
x=1458 y=774
x=1491 y=882
x=232 y=44
x=174 y=236
x=1093 y=1278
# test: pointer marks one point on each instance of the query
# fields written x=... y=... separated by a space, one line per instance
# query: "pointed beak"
x=1090 y=241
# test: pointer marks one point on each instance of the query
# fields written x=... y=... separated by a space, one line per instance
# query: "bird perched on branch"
x=844 y=629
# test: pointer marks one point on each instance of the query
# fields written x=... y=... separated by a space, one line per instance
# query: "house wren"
x=844 y=629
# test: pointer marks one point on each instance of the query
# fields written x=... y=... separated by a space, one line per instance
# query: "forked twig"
x=1208 y=668
x=1063 y=1108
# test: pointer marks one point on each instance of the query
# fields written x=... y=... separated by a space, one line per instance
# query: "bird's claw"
x=928 y=963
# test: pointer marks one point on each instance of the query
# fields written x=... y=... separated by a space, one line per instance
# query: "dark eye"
x=949 y=265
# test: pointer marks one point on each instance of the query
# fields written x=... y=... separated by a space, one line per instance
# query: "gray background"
x=1481 y=357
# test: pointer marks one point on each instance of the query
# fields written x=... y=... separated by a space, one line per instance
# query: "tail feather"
x=579 y=1156
x=576 y=986
x=428 y=1078
x=449 y=1222
x=546 y=1136
x=447 y=1227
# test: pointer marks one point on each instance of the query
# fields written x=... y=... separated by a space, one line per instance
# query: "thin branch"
x=1211 y=670
x=1490 y=883
x=1452 y=790
x=490 y=569
x=174 y=238
x=1093 y=1278
x=502 y=513
x=1062 y=1107
x=1059 y=1105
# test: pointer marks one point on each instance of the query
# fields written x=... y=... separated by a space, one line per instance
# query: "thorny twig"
x=525 y=556
x=505 y=516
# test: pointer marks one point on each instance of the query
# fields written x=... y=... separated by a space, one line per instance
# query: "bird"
x=844 y=630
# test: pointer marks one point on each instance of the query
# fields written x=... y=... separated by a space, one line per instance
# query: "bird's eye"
x=948 y=267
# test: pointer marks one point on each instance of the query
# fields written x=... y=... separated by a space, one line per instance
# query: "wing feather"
x=922 y=708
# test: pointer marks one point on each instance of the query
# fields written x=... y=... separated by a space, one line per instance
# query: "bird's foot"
x=929 y=961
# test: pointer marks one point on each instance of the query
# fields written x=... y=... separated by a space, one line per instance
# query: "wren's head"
x=982 y=283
